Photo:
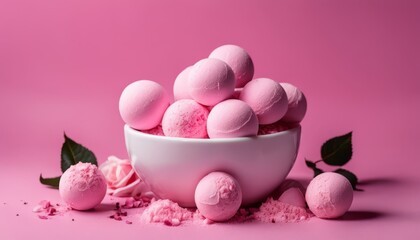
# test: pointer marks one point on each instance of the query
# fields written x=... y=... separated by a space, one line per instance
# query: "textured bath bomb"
x=232 y=118
x=180 y=85
x=238 y=59
x=185 y=118
x=297 y=104
x=267 y=98
x=329 y=195
x=211 y=81
x=142 y=104
x=82 y=186
x=218 y=196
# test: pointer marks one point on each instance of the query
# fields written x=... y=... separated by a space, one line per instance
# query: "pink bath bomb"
x=232 y=118
x=329 y=195
x=238 y=59
x=211 y=81
x=218 y=196
x=267 y=98
x=297 y=105
x=180 y=85
x=185 y=118
x=82 y=186
x=142 y=104
x=293 y=196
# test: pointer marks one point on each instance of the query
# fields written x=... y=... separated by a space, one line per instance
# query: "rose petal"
x=124 y=180
x=126 y=190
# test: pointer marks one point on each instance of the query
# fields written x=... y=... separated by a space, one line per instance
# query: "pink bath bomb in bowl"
x=238 y=59
x=142 y=104
x=329 y=195
x=82 y=186
x=185 y=118
x=211 y=81
x=181 y=85
x=267 y=98
x=297 y=104
x=232 y=118
x=218 y=196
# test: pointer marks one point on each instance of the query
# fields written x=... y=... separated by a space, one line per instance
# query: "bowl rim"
x=133 y=131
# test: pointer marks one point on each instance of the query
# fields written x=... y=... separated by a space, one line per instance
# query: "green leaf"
x=73 y=152
x=338 y=150
x=312 y=166
x=52 y=182
x=350 y=176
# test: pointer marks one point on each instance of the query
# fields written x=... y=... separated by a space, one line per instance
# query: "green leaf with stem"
x=52 y=182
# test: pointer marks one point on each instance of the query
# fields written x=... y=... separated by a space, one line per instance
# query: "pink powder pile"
x=167 y=212
x=276 y=211
x=45 y=209
x=271 y=211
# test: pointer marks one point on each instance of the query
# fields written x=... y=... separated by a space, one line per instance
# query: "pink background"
x=63 y=65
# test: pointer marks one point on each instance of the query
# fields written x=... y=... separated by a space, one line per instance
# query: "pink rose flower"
x=122 y=180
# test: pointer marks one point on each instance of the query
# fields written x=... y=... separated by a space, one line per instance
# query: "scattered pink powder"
x=276 y=211
x=45 y=209
x=167 y=212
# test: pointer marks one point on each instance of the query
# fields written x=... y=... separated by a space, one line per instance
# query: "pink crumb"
x=166 y=212
x=47 y=209
x=276 y=211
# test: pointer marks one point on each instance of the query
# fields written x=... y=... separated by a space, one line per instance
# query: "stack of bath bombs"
x=217 y=97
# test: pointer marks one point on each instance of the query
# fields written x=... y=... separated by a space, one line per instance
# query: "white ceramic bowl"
x=174 y=166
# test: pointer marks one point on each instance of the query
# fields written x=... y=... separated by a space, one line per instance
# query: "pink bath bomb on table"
x=293 y=196
x=82 y=186
x=329 y=195
x=180 y=85
x=267 y=98
x=142 y=104
x=297 y=104
x=211 y=81
x=238 y=59
x=291 y=192
x=185 y=118
x=232 y=118
x=218 y=196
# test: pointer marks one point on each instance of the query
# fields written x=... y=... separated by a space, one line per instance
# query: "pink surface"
x=63 y=66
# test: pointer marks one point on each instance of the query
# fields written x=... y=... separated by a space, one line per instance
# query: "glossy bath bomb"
x=232 y=118
x=297 y=104
x=82 y=186
x=267 y=98
x=218 y=196
x=142 y=104
x=185 y=118
x=180 y=85
x=329 y=195
x=211 y=81
x=238 y=59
